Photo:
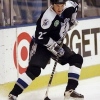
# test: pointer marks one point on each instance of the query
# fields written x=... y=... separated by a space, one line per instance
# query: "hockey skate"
x=72 y=95
x=12 y=97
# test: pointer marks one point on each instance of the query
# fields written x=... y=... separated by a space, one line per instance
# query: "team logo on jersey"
x=45 y=22
x=56 y=23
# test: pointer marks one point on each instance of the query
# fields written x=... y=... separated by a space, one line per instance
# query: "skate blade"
x=73 y=98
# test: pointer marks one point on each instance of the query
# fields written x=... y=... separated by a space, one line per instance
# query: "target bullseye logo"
x=21 y=49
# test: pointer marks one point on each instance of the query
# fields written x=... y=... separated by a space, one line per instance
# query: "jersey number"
x=41 y=35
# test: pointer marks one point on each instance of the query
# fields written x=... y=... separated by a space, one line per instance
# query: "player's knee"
x=33 y=71
x=76 y=60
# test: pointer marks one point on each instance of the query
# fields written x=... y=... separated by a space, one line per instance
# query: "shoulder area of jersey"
x=71 y=3
x=47 y=18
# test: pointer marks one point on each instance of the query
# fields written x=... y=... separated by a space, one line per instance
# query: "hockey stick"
x=51 y=77
x=52 y=74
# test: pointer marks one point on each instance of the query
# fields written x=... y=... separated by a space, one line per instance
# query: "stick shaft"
x=51 y=77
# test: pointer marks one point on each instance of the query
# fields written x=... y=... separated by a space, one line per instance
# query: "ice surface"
x=90 y=88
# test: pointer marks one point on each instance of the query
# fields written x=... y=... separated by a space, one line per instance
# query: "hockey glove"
x=56 y=49
x=73 y=24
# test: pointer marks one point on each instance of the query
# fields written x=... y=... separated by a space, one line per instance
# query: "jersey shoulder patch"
x=47 y=18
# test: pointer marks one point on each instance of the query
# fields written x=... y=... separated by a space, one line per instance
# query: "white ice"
x=90 y=88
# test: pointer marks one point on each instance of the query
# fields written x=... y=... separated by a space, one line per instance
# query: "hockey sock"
x=23 y=82
x=72 y=84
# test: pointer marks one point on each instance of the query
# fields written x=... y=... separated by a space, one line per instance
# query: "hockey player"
x=51 y=28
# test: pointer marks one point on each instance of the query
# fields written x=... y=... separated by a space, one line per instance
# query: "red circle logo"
x=20 y=53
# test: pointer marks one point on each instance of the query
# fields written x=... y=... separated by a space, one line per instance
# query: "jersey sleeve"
x=67 y=13
x=42 y=36
x=70 y=12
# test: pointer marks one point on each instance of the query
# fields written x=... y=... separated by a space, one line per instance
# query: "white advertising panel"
x=14 y=48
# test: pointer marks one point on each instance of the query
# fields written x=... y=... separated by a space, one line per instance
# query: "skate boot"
x=12 y=97
x=72 y=95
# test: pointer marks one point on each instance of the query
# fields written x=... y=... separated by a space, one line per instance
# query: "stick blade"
x=47 y=98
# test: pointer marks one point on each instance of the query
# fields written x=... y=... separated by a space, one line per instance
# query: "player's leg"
x=25 y=80
x=75 y=61
x=37 y=61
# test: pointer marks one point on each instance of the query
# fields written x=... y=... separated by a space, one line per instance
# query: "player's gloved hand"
x=60 y=51
x=56 y=49
x=73 y=24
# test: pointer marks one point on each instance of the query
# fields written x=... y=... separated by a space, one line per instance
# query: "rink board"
x=14 y=48
x=59 y=78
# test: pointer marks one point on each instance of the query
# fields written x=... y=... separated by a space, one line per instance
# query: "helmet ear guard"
x=58 y=1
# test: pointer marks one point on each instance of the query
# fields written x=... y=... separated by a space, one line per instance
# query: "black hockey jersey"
x=50 y=27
